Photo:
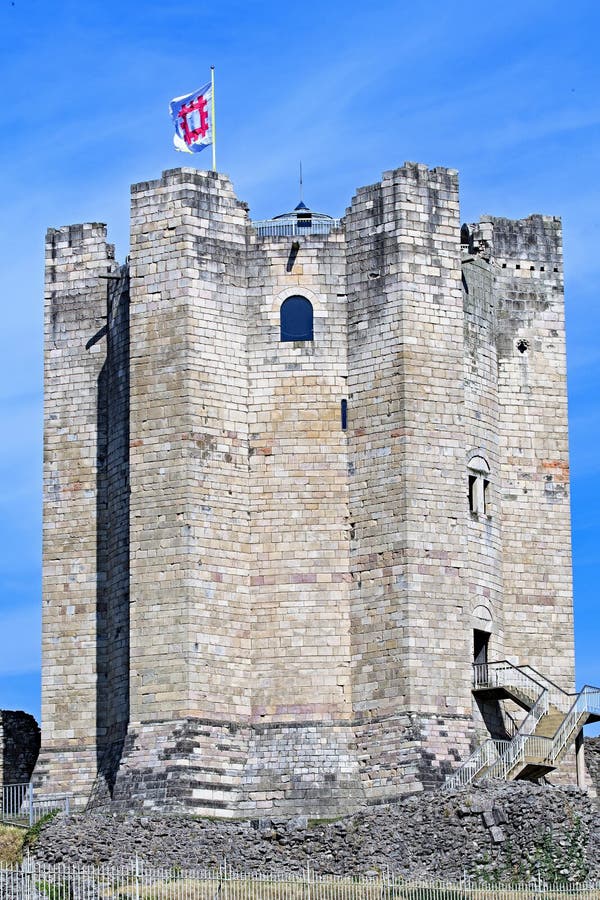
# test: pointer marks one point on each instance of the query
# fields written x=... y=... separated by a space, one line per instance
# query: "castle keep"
x=299 y=476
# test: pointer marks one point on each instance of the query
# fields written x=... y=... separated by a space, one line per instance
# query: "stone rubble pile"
x=503 y=829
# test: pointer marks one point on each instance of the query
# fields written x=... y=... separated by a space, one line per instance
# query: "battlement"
x=536 y=239
x=295 y=471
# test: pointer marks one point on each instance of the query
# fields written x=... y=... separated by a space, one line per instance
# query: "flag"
x=193 y=119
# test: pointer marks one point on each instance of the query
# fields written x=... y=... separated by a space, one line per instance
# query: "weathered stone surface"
x=19 y=746
x=248 y=607
x=592 y=761
x=430 y=835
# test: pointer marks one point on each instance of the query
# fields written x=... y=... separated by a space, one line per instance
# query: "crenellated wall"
x=251 y=605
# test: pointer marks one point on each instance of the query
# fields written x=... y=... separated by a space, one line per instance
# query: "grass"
x=244 y=888
x=11 y=844
x=54 y=885
x=32 y=834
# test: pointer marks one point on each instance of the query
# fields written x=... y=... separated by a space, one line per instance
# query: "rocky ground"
x=508 y=830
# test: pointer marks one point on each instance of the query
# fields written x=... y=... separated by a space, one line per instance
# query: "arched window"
x=296 y=319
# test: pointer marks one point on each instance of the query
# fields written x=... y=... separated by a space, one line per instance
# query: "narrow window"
x=344 y=414
x=472 y=499
x=479 y=486
x=296 y=319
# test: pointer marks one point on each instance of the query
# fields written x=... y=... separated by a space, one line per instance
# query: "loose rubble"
x=503 y=830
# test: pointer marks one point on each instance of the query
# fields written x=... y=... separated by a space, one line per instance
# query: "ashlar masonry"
x=300 y=476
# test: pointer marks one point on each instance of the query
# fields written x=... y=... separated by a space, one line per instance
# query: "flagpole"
x=212 y=113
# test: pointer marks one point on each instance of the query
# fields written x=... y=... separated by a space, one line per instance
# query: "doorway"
x=481 y=640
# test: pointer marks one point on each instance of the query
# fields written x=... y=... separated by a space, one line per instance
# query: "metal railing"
x=525 y=746
x=486 y=755
x=36 y=881
x=586 y=702
x=292 y=228
x=557 y=697
x=515 y=752
x=22 y=805
x=506 y=675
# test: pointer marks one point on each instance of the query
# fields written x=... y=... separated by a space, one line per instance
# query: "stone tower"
x=299 y=476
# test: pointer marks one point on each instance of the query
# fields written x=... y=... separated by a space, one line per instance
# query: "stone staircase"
x=553 y=721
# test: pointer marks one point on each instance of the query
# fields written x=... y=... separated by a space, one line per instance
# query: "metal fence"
x=22 y=805
x=35 y=881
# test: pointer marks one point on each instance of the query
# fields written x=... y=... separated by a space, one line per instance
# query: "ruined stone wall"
x=19 y=746
x=592 y=760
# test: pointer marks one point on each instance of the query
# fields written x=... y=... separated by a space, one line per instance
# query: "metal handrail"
x=503 y=673
x=586 y=702
x=291 y=228
x=525 y=743
x=500 y=674
x=515 y=752
x=558 y=696
x=484 y=756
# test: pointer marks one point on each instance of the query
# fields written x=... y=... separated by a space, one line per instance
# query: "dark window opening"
x=486 y=485
x=481 y=641
x=522 y=346
x=344 y=414
x=472 y=502
x=296 y=319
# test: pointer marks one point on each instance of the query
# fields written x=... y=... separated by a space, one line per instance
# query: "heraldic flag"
x=193 y=117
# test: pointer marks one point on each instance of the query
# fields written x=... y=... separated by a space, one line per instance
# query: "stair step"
x=492 y=681
x=549 y=723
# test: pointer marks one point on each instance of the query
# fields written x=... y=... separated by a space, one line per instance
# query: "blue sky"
x=507 y=93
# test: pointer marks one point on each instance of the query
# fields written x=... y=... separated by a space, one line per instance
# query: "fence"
x=36 y=881
x=21 y=805
x=293 y=227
